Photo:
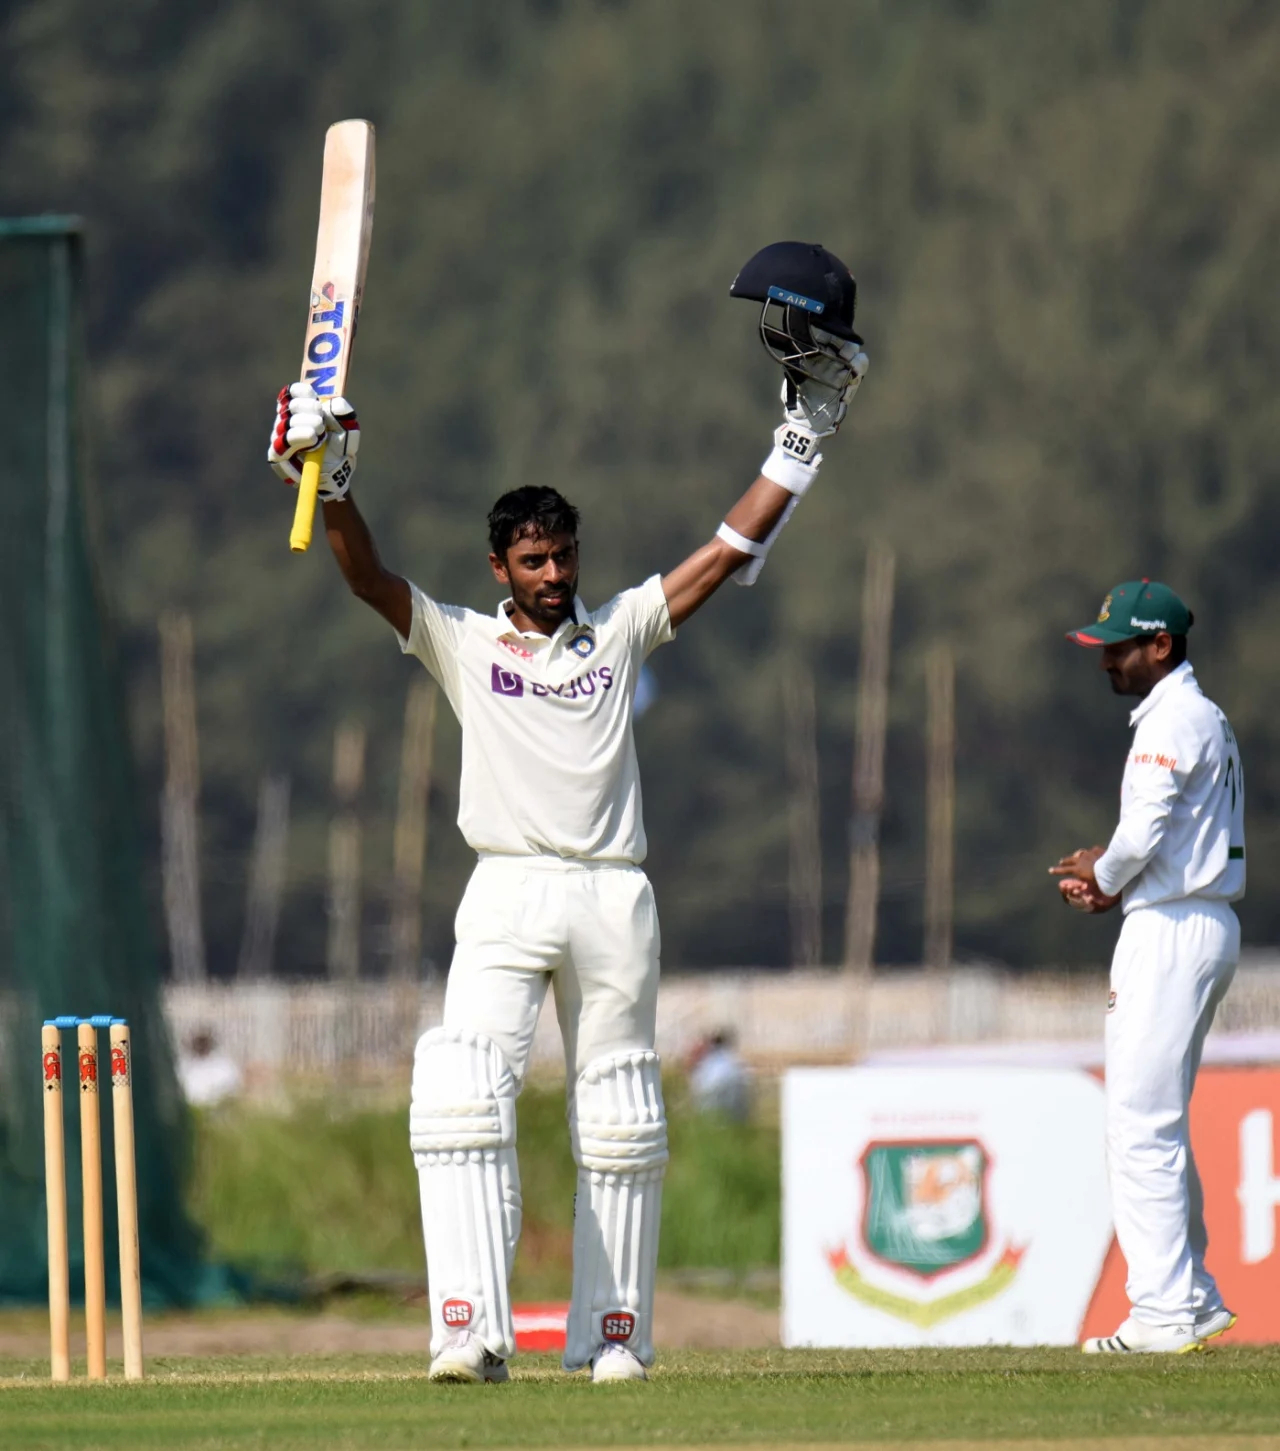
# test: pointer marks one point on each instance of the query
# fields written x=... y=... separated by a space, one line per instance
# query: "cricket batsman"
x=550 y=802
x=1176 y=862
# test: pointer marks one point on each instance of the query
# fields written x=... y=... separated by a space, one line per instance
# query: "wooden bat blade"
x=337 y=283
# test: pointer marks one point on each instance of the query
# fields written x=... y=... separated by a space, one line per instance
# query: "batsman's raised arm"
x=357 y=557
x=302 y=421
x=806 y=324
x=756 y=516
x=808 y=299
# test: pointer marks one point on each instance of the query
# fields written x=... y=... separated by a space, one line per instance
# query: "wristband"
x=740 y=542
x=749 y=570
x=793 y=464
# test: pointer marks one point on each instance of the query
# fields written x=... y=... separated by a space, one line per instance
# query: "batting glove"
x=821 y=401
x=813 y=407
x=302 y=421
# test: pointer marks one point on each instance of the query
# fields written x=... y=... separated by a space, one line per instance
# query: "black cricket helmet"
x=800 y=286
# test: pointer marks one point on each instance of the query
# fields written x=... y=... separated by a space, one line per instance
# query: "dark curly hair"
x=535 y=511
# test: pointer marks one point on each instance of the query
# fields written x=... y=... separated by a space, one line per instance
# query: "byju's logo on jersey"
x=582 y=687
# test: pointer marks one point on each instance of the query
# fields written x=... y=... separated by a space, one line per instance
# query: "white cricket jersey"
x=548 y=756
x=1181 y=831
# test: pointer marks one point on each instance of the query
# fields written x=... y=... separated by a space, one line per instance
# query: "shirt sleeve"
x=643 y=617
x=1159 y=764
x=435 y=637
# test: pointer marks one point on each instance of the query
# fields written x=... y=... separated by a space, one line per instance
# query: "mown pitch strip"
x=1228 y=1399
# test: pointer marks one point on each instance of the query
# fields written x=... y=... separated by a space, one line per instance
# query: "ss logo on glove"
x=799 y=445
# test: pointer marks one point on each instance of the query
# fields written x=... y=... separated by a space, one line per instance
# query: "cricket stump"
x=126 y=1198
x=95 y=1278
x=55 y=1193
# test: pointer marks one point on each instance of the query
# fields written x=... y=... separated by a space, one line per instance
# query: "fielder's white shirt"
x=1181 y=831
x=548 y=756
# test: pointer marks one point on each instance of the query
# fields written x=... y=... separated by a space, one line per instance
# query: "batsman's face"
x=1135 y=667
x=542 y=574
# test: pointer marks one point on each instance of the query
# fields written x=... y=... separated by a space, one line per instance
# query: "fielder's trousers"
x=1171 y=969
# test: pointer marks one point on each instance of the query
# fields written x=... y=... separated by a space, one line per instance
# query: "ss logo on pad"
x=618 y=1325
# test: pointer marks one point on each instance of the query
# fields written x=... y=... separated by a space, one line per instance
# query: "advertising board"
x=936 y=1206
x=969 y=1205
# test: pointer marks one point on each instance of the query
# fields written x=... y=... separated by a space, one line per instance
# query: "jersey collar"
x=505 y=630
x=1181 y=675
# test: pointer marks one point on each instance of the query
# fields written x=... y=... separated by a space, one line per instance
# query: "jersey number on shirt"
x=1231 y=781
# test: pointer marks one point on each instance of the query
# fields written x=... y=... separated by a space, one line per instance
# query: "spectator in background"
x=719 y=1081
x=207 y=1075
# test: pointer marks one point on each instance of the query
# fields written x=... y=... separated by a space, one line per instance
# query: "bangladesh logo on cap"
x=1104 y=614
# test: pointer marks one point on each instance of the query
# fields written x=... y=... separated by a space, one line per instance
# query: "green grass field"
x=325 y=1189
x=257 y=1190
x=1229 y=1398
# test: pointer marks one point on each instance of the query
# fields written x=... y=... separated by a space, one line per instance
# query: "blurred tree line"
x=1063 y=221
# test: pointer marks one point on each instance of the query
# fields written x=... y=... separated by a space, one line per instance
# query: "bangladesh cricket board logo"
x=925 y=1216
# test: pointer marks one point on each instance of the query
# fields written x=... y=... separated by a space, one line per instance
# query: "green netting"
x=74 y=929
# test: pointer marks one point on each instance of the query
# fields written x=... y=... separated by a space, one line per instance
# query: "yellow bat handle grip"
x=304 y=512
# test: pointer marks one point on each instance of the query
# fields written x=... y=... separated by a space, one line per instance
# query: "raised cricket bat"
x=337 y=287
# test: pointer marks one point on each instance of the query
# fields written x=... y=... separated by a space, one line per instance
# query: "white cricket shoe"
x=1212 y=1323
x=464 y=1361
x=1135 y=1338
x=616 y=1362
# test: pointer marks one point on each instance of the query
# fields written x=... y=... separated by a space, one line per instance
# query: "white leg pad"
x=462 y=1129
x=619 y=1132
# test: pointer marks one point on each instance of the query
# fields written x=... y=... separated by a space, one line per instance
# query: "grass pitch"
x=1227 y=1399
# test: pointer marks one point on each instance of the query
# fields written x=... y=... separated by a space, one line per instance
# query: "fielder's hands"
x=302 y=420
x=1077 y=883
x=819 y=403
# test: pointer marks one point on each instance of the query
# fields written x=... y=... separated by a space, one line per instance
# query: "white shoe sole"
x=1228 y=1320
x=1113 y=1345
x=617 y=1369
x=455 y=1375
x=458 y=1372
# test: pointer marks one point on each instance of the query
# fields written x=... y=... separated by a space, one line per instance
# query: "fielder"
x=1176 y=860
x=550 y=802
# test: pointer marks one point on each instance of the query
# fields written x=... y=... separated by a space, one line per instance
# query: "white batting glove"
x=302 y=420
x=813 y=409
x=821 y=402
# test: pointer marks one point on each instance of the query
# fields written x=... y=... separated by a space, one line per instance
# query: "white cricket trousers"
x=1172 y=967
x=588 y=930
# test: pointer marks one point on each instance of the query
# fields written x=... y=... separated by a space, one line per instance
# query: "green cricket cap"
x=1137 y=607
